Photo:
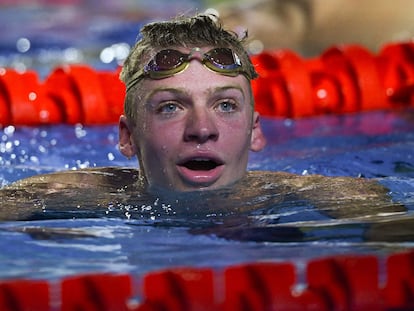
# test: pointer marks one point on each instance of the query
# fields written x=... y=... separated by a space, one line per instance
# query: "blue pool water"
x=373 y=145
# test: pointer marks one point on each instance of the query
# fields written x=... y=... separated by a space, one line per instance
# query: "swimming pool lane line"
x=349 y=282
x=343 y=79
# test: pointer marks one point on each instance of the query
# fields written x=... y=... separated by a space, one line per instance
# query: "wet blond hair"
x=197 y=31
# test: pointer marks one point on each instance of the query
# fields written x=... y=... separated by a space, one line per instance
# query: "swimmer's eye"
x=167 y=108
x=226 y=106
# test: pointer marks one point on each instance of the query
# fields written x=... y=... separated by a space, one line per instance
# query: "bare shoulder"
x=51 y=195
x=339 y=197
x=101 y=177
x=338 y=185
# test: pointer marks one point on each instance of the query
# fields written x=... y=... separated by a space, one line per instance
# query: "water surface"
x=72 y=234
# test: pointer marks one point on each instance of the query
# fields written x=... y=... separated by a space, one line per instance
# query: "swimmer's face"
x=194 y=130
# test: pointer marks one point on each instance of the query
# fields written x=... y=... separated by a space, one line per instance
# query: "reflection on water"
x=264 y=206
x=74 y=225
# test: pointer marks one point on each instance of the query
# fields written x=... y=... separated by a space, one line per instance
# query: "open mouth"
x=201 y=164
x=201 y=171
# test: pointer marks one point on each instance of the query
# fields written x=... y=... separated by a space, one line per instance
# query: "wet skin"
x=247 y=210
x=103 y=192
x=194 y=130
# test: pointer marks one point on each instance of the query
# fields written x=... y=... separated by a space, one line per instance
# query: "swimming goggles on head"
x=169 y=62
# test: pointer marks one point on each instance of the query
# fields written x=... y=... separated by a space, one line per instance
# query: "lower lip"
x=200 y=178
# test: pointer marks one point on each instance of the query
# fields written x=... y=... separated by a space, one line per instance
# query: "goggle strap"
x=207 y=60
x=134 y=79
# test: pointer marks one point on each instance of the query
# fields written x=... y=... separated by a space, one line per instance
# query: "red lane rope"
x=343 y=79
x=332 y=283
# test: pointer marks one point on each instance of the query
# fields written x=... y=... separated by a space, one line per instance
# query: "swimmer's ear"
x=258 y=140
x=126 y=143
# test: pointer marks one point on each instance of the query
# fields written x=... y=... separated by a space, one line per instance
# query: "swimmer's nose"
x=200 y=127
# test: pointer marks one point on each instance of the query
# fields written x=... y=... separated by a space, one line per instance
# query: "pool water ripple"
x=145 y=235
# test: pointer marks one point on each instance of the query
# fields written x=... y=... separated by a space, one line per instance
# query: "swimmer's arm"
x=346 y=197
x=101 y=177
x=338 y=197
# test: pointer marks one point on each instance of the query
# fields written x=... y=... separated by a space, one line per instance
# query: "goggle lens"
x=169 y=62
x=166 y=60
x=223 y=58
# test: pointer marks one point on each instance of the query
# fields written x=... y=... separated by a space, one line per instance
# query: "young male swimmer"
x=189 y=113
x=190 y=121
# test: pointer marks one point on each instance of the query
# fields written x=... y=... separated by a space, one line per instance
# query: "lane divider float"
x=349 y=282
x=343 y=79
